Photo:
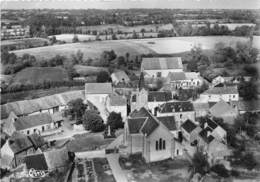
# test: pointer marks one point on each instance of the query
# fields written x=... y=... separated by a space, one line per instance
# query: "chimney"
x=208 y=133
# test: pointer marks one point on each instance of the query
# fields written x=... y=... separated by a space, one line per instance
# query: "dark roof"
x=135 y=124
x=32 y=120
x=212 y=124
x=205 y=136
x=176 y=76
x=168 y=121
x=37 y=162
x=36 y=140
x=188 y=125
x=150 y=125
x=184 y=106
x=161 y=63
x=19 y=142
x=159 y=96
x=222 y=90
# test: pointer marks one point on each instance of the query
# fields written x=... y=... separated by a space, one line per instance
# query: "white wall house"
x=161 y=66
x=39 y=124
x=216 y=94
x=119 y=77
x=118 y=104
x=97 y=91
x=184 y=80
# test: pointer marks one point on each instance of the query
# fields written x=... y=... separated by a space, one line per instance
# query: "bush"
x=114 y=120
x=92 y=121
x=220 y=170
x=103 y=76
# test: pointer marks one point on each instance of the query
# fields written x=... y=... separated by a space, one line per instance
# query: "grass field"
x=90 y=49
x=134 y=46
x=34 y=75
x=88 y=70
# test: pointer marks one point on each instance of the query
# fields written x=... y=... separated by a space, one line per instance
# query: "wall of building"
x=168 y=152
x=31 y=130
x=135 y=143
x=217 y=98
x=164 y=73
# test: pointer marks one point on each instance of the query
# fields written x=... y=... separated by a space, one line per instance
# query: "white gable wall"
x=164 y=73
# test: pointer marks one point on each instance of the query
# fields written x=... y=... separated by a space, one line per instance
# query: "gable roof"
x=221 y=108
x=188 y=126
x=19 y=142
x=32 y=120
x=36 y=140
x=176 y=76
x=209 y=123
x=179 y=106
x=222 y=90
x=168 y=121
x=154 y=96
x=204 y=135
x=36 y=161
x=201 y=106
x=56 y=158
x=135 y=124
x=120 y=75
x=98 y=88
x=116 y=100
x=161 y=63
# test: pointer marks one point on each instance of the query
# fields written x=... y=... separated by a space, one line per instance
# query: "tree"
x=77 y=58
x=249 y=161
x=142 y=31
x=220 y=170
x=121 y=61
x=248 y=90
x=76 y=109
x=103 y=76
x=200 y=163
x=92 y=121
x=115 y=120
x=75 y=38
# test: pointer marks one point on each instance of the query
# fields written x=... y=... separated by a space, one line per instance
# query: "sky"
x=125 y=4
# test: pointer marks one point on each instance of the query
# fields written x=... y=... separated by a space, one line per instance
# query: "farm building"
x=117 y=104
x=161 y=66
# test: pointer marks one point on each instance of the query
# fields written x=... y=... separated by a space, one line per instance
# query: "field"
x=134 y=46
x=88 y=70
x=34 y=75
x=69 y=37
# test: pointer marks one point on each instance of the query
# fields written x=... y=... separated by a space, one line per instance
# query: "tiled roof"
x=156 y=63
x=221 y=108
x=222 y=90
x=201 y=106
x=135 y=124
x=36 y=161
x=139 y=113
x=98 y=88
x=192 y=75
x=209 y=123
x=149 y=126
x=32 y=120
x=204 y=135
x=176 y=76
x=179 y=106
x=120 y=75
x=36 y=140
x=159 y=96
x=116 y=100
x=56 y=158
x=168 y=121
x=19 y=142
x=188 y=125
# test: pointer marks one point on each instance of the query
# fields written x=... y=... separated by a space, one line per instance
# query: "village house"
x=161 y=66
x=149 y=99
x=201 y=109
x=118 y=104
x=184 y=80
x=39 y=123
x=153 y=137
x=190 y=130
x=181 y=110
x=216 y=94
x=18 y=146
x=119 y=77
x=97 y=91
x=48 y=104
x=224 y=110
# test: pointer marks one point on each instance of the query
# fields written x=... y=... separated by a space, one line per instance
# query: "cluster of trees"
x=43 y=85
x=206 y=30
x=90 y=118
